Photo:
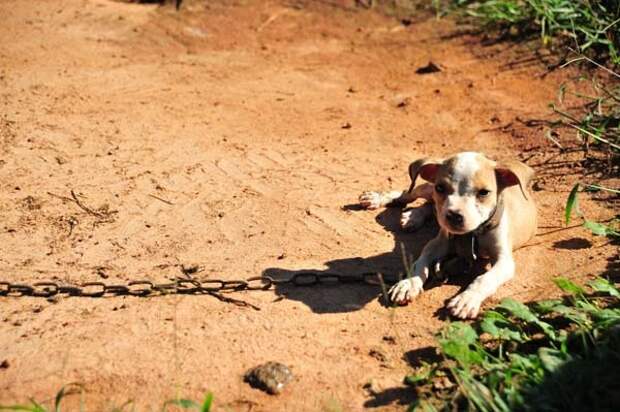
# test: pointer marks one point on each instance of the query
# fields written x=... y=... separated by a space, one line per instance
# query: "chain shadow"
x=351 y=297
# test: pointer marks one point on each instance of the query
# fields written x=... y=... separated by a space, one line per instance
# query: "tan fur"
x=520 y=210
x=457 y=186
x=518 y=202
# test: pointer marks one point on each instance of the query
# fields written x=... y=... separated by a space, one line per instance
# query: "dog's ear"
x=513 y=172
x=429 y=171
x=427 y=168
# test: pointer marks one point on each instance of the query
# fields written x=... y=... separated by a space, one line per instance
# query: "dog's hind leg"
x=375 y=200
x=413 y=218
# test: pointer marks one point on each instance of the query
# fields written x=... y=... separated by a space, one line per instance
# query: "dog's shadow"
x=338 y=298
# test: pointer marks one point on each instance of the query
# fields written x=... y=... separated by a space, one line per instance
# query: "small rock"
x=190 y=269
x=401 y=101
x=4 y=364
x=428 y=69
x=270 y=377
x=346 y=125
x=101 y=271
x=378 y=354
x=389 y=339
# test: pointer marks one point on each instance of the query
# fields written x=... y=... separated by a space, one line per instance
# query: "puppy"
x=484 y=212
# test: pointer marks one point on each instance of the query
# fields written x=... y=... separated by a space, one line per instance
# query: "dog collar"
x=467 y=245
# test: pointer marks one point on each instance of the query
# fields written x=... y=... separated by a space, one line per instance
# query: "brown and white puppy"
x=484 y=211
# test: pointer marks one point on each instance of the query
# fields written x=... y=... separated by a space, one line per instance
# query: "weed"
x=35 y=406
x=599 y=124
x=591 y=25
x=190 y=404
x=75 y=388
x=551 y=355
x=599 y=229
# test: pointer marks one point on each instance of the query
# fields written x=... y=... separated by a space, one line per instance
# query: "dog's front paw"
x=370 y=200
x=465 y=305
x=404 y=291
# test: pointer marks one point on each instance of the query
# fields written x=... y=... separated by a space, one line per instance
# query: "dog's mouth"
x=456 y=228
x=454 y=222
x=459 y=230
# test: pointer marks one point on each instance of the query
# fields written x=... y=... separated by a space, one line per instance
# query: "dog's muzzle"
x=455 y=219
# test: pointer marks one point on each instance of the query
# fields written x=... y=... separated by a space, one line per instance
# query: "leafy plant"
x=572 y=207
x=526 y=357
x=598 y=127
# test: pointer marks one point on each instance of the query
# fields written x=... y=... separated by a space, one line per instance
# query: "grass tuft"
x=205 y=406
x=595 y=116
x=552 y=355
x=592 y=26
x=34 y=406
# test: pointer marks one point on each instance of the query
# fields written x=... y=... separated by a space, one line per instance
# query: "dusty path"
x=233 y=116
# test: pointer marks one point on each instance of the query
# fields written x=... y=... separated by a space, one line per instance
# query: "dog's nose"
x=454 y=218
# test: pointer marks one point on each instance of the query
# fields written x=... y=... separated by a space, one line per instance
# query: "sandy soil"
x=216 y=135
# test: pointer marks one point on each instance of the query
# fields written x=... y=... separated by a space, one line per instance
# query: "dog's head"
x=467 y=187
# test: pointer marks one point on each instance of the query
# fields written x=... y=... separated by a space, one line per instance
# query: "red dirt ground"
x=233 y=114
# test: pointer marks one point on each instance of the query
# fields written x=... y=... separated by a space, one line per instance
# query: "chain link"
x=188 y=286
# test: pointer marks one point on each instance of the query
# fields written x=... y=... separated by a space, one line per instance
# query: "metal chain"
x=186 y=286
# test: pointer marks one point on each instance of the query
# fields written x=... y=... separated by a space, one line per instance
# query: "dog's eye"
x=440 y=188
x=483 y=193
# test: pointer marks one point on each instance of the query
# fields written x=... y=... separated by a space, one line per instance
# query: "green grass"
x=591 y=26
x=205 y=406
x=553 y=355
x=72 y=389
x=610 y=229
x=35 y=406
x=595 y=115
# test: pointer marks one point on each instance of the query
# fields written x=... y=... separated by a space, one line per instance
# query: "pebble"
x=270 y=377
